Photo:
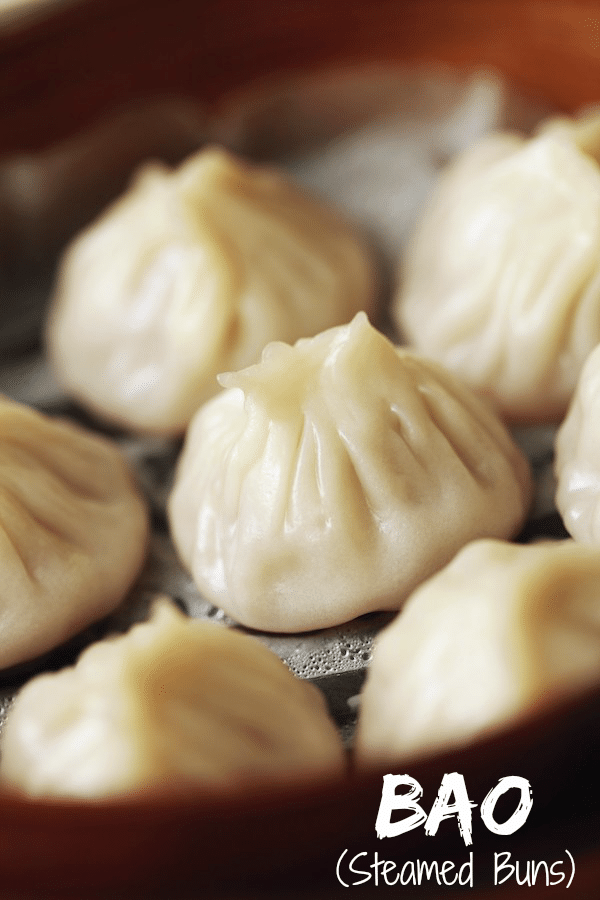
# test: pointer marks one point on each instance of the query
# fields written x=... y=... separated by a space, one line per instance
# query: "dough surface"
x=330 y=478
x=577 y=457
x=501 y=631
x=175 y=703
x=191 y=273
x=73 y=531
x=501 y=280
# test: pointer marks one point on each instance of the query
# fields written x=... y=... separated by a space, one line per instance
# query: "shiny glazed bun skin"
x=73 y=531
x=577 y=457
x=499 y=633
x=174 y=704
x=501 y=280
x=191 y=273
x=332 y=477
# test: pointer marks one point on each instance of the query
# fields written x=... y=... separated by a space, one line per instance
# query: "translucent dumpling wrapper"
x=73 y=531
x=577 y=457
x=503 y=631
x=330 y=478
x=191 y=273
x=501 y=280
x=173 y=704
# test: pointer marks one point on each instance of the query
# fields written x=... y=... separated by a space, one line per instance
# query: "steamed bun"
x=73 y=531
x=502 y=631
x=327 y=480
x=577 y=457
x=501 y=280
x=191 y=273
x=172 y=704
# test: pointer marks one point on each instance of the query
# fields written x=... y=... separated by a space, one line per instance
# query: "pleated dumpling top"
x=174 y=704
x=329 y=479
x=73 y=530
x=191 y=273
x=502 y=632
x=501 y=280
